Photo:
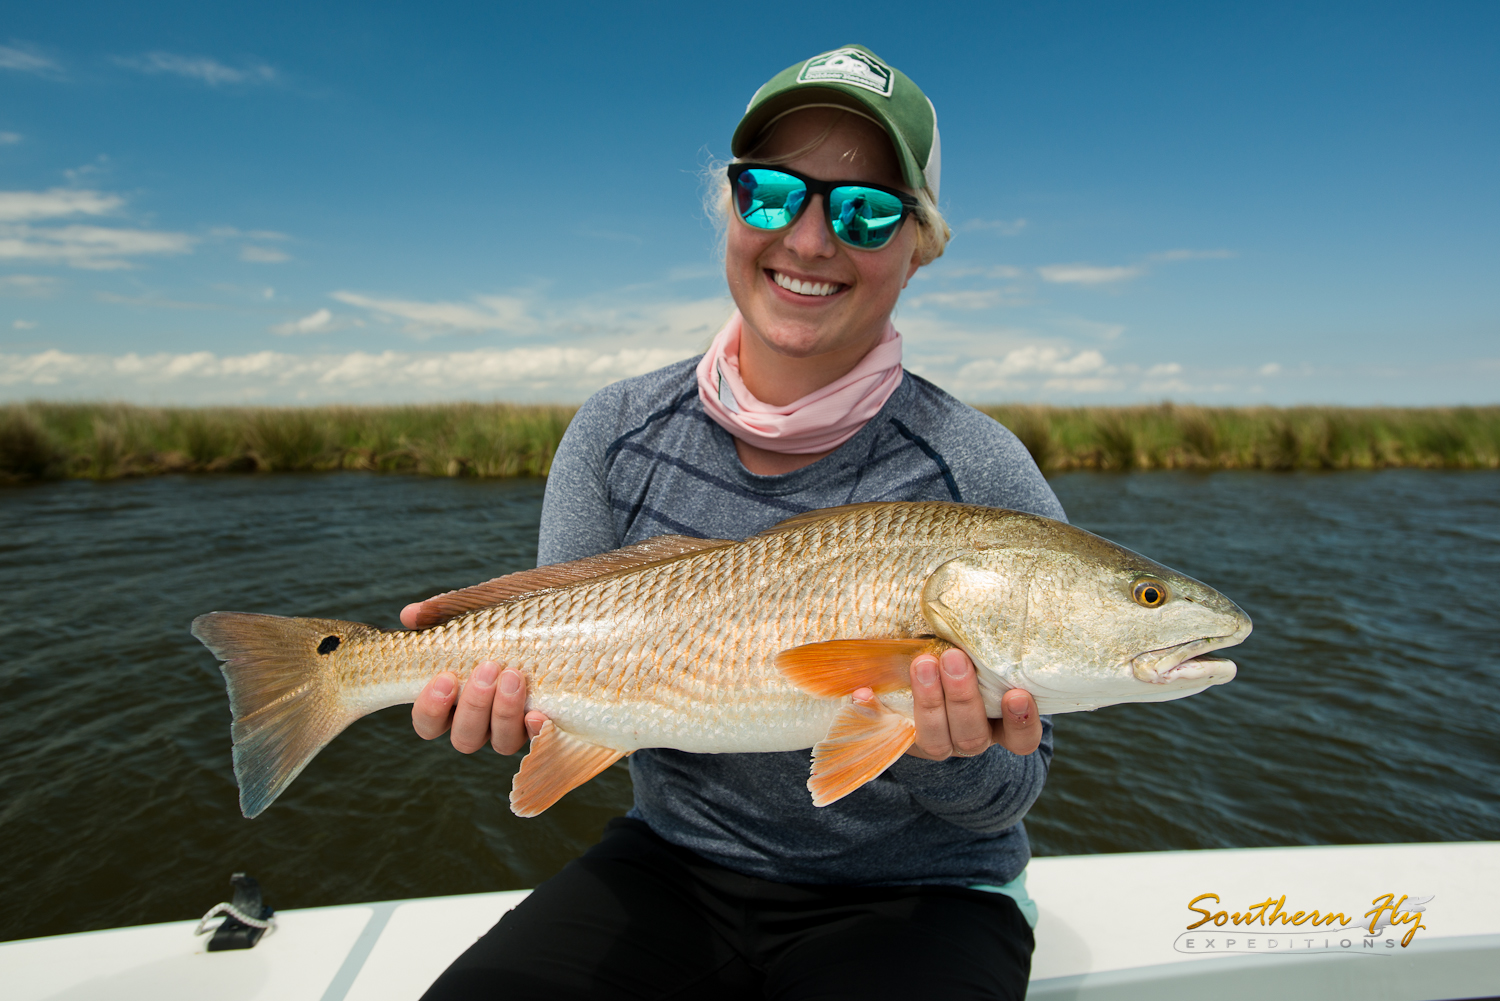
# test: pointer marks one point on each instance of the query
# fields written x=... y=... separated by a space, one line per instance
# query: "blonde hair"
x=933 y=232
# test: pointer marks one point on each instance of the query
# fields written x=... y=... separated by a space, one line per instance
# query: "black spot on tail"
x=329 y=644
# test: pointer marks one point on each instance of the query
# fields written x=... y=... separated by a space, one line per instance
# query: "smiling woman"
x=800 y=403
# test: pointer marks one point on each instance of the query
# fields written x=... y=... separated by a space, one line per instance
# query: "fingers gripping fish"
x=713 y=646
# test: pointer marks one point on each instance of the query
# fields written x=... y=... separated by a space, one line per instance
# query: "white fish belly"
x=732 y=725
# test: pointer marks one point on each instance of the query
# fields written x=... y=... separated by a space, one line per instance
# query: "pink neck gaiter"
x=820 y=421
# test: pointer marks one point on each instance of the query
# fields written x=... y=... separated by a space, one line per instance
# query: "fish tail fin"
x=284 y=694
x=864 y=740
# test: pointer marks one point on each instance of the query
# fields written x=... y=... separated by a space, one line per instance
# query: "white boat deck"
x=1112 y=927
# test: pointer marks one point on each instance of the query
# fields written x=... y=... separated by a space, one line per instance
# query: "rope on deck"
x=218 y=910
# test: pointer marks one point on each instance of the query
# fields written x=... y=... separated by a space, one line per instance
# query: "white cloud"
x=1087 y=274
x=682 y=326
x=1033 y=360
x=26 y=59
x=1092 y=384
x=1005 y=227
x=1093 y=274
x=985 y=362
x=80 y=246
x=507 y=314
x=320 y=321
x=1039 y=367
x=973 y=299
x=200 y=68
x=24 y=325
x=535 y=373
x=263 y=255
x=941 y=270
x=27 y=285
x=151 y=300
x=1077 y=326
x=9 y=138
x=1162 y=379
x=77 y=174
x=19 y=206
x=573 y=349
x=94 y=247
x=1270 y=368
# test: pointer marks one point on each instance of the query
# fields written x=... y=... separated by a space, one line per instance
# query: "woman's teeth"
x=804 y=288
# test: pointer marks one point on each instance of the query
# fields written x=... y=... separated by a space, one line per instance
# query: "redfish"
x=714 y=646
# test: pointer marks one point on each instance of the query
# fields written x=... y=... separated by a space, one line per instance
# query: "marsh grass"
x=1169 y=436
x=103 y=441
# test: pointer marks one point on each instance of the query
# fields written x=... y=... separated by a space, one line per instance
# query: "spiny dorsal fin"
x=829 y=513
x=819 y=514
x=835 y=668
x=557 y=763
x=863 y=741
x=436 y=611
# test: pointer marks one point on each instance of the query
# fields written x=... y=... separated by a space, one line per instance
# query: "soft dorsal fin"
x=835 y=668
x=863 y=741
x=436 y=611
x=557 y=763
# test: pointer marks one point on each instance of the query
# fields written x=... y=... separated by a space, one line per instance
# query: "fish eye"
x=1150 y=593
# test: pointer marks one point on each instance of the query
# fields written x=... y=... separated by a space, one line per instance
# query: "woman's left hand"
x=949 y=711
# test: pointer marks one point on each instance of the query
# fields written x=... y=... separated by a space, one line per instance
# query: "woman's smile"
x=805 y=288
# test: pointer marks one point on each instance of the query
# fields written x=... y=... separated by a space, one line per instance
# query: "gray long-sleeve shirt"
x=642 y=459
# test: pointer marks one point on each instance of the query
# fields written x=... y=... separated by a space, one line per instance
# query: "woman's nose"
x=810 y=235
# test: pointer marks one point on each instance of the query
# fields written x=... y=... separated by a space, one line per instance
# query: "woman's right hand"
x=490 y=709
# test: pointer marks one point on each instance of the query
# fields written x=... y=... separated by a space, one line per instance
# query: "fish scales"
x=674 y=675
x=696 y=650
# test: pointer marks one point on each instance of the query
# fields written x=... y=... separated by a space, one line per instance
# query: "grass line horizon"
x=43 y=440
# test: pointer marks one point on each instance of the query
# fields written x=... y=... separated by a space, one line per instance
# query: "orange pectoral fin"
x=833 y=669
x=557 y=763
x=863 y=741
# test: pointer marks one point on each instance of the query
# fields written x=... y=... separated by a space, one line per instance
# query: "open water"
x=1367 y=708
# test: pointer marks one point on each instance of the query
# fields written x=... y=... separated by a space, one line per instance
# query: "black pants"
x=636 y=917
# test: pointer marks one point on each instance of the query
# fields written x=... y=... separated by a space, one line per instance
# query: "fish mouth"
x=1186 y=662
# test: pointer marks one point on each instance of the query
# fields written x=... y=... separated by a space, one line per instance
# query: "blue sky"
x=317 y=202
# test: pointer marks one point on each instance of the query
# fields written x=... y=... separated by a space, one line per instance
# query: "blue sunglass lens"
x=861 y=217
x=768 y=199
x=864 y=217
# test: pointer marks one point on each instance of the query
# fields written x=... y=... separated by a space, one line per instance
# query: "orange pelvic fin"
x=557 y=763
x=436 y=611
x=836 y=668
x=863 y=741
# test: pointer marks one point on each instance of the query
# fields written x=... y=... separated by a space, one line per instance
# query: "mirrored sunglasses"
x=862 y=215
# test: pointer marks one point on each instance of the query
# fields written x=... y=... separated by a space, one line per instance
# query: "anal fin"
x=557 y=763
x=836 y=668
x=863 y=741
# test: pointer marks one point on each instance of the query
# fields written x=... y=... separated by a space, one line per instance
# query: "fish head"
x=1081 y=622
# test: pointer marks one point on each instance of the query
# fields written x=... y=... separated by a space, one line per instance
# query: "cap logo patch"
x=850 y=66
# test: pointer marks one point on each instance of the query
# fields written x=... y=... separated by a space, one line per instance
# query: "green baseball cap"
x=853 y=77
